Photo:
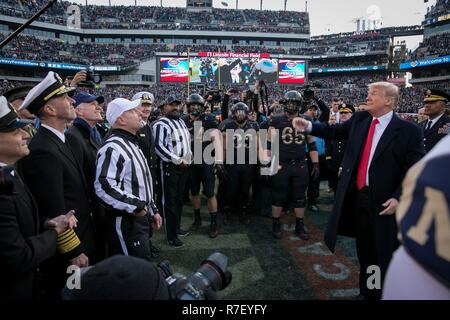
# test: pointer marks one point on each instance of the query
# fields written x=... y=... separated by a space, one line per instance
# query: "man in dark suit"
x=381 y=148
x=55 y=177
x=438 y=124
x=335 y=149
x=85 y=140
x=23 y=245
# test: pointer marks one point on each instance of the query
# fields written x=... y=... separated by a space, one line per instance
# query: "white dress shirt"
x=433 y=122
x=60 y=135
x=2 y=164
x=337 y=115
x=379 y=130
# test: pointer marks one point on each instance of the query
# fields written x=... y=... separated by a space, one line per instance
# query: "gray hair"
x=390 y=90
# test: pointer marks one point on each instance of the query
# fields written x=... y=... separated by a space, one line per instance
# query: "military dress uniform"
x=436 y=129
x=335 y=150
x=57 y=182
x=22 y=245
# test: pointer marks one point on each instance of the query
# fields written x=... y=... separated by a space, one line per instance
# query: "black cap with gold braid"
x=432 y=95
x=52 y=86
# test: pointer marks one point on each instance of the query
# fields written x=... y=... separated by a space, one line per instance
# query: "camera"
x=215 y=94
x=211 y=276
x=92 y=79
x=308 y=93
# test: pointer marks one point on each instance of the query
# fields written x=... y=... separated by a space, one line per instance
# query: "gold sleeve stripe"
x=67 y=241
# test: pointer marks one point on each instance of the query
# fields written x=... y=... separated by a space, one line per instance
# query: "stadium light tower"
x=260 y=5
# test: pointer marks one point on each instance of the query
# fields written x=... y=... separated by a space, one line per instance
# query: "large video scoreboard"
x=229 y=67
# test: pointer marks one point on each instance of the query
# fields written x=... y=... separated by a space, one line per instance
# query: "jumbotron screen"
x=233 y=70
x=173 y=69
x=291 y=71
x=228 y=67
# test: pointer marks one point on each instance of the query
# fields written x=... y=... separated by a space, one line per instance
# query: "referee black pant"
x=173 y=184
x=127 y=235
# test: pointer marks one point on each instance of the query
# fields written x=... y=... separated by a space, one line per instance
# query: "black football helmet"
x=195 y=104
x=239 y=112
x=292 y=101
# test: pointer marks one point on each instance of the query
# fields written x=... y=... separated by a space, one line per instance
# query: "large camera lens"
x=212 y=273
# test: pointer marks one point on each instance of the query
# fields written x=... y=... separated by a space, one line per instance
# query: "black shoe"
x=301 y=232
x=154 y=255
x=276 y=229
x=155 y=249
x=196 y=225
x=177 y=243
x=182 y=233
x=213 y=232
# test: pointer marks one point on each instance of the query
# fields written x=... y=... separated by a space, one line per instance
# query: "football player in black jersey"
x=293 y=175
x=240 y=137
x=201 y=171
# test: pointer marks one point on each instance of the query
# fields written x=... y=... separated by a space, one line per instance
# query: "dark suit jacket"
x=22 y=247
x=85 y=150
x=147 y=145
x=400 y=146
x=436 y=133
x=57 y=182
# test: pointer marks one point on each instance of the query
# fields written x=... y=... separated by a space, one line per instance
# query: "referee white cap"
x=118 y=106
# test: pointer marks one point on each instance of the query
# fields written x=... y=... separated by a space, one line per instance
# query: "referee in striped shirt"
x=124 y=184
x=172 y=143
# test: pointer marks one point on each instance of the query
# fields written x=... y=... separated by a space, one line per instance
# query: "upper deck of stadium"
x=96 y=18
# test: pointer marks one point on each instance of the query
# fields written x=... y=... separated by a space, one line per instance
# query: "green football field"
x=266 y=268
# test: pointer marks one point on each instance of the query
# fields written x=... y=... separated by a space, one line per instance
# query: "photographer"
x=226 y=102
x=130 y=278
x=309 y=95
x=261 y=109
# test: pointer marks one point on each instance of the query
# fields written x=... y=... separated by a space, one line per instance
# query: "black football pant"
x=240 y=178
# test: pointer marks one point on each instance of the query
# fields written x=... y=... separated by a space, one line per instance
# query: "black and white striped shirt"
x=172 y=140
x=123 y=179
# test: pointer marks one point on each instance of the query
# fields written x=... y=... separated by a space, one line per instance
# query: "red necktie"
x=364 y=163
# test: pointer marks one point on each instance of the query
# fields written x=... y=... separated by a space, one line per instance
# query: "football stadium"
x=221 y=150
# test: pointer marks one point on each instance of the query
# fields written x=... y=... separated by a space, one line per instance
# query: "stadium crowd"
x=432 y=47
x=441 y=8
x=171 y=18
x=24 y=47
